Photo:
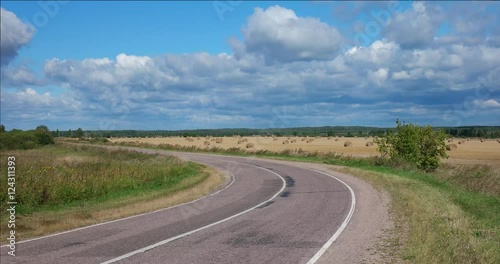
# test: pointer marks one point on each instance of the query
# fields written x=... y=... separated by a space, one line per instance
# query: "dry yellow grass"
x=451 y=147
x=472 y=152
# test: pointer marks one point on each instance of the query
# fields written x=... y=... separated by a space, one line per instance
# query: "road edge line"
x=327 y=245
x=163 y=242
x=125 y=218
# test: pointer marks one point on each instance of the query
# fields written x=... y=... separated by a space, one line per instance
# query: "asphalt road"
x=269 y=213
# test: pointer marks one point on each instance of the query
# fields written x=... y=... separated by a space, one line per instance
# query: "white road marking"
x=144 y=249
x=313 y=260
x=341 y=228
x=129 y=217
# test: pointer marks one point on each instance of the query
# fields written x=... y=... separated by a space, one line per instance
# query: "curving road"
x=270 y=213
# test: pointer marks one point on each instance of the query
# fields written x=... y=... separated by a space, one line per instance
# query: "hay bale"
x=461 y=142
x=309 y=140
x=240 y=141
x=451 y=147
x=368 y=144
x=285 y=142
x=275 y=139
x=336 y=139
x=304 y=139
x=218 y=140
x=450 y=140
x=482 y=140
x=348 y=144
x=206 y=143
x=250 y=145
x=293 y=141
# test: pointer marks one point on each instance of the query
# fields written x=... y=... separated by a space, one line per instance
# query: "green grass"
x=61 y=176
x=441 y=217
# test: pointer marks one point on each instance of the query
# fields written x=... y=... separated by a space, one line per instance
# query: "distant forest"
x=332 y=131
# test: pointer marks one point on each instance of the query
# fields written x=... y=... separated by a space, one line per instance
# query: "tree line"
x=325 y=131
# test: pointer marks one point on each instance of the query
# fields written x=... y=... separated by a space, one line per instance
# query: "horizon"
x=249 y=128
x=248 y=65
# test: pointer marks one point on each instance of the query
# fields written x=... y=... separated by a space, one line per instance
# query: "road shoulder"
x=366 y=236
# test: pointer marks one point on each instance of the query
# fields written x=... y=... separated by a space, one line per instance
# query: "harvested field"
x=451 y=147
x=471 y=151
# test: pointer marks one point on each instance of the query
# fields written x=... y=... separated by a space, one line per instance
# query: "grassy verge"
x=449 y=216
x=63 y=187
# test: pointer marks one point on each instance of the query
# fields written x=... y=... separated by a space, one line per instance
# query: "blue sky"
x=213 y=64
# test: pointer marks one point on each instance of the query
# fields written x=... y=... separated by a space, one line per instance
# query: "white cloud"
x=401 y=75
x=17 y=76
x=415 y=27
x=30 y=99
x=379 y=76
x=278 y=35
x=380 y=52
x=283 y=61
x=491 y=103
x=14 y=35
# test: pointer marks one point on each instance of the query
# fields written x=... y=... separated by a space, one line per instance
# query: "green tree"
x=42 y=128
x=44 y=138
x=79 y=133
x=421 y=146
x=2 y=128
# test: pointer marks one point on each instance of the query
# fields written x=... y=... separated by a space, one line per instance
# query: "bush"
x=44 y=138
x=421 y=146
x=18 y=139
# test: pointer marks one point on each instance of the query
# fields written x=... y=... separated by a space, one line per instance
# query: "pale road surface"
x=297 y=212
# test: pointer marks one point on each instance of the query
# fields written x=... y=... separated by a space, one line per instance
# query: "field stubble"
x=470 y=152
